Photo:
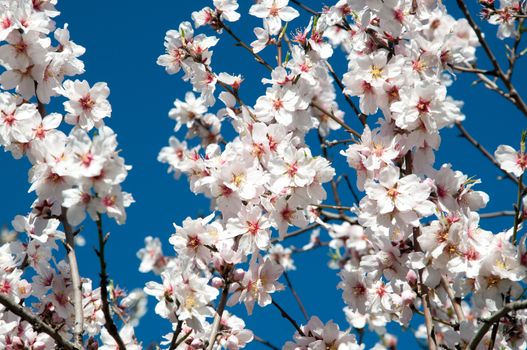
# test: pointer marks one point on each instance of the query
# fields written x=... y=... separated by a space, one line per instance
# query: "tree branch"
x=295 y=294
x=517 y=209
x=296 y=233
x=505 y=78
x=305 y=8
x=258 y=58
x=109 y=323
x=175 y=335
x=337 y=120
x=289 y=318
x=455 y=302
x=78 y=329
x=484 y=151
x=496 y=214
x=217 y=317
x=360 y=115
x=514 y=306
x=266 y=343
x=38 y=325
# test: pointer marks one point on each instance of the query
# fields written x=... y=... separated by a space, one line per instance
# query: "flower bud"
x=217 y=282
x=196 y=343
x=92 y=344
x=411 y=277
x=408 y=297
x=237 y=275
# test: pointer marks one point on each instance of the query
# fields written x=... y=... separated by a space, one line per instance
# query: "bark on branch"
x=37 y=323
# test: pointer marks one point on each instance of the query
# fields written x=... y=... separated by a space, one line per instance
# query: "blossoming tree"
x=410 y=250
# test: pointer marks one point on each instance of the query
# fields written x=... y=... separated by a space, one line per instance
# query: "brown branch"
x=258 y=58
x=334 y=187
x=330 y=206
x=78 y=329
x=514 y=55
x=493 y=335
x=514 y=306
x=483 y=150
x=497 y=214
x=37 y=323
x=473 y=70
x=109 y=323
x=217 y=316
x=305 y=8
x=505 y=78
x=289 y=318
x=362 y=117
x=423 y=288
x=296 y=233
x=517 y=209
x=295 y=295
x=266 y=343
x=350 y=187
x=338 y=142
x=425 y=301
x=175 y=335
x=455 y=301
x=336 y=119
x=334 y=216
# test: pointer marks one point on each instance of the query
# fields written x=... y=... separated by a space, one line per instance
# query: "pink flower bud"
x=92 y=344
x=237 y=275
x=217 y=282
x=408 y=297
x=196 y=343
x=218 y=262
x=411 y=277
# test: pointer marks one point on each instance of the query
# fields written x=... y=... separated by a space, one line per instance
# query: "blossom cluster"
x=411 y=248
x=413 y=242
x=75 y=171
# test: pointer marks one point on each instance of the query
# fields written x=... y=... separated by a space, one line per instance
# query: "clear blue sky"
x=123 y=41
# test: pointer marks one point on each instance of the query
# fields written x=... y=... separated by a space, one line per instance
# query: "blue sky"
x=123 y=41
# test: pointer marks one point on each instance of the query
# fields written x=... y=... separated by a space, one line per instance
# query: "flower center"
x=86 y=103
x=423 y=106
x=376 y=72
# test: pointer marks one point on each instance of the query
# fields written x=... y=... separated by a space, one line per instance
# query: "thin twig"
x=517 y=210
x=258 y=58
x=483 y=150
x=331 y=206
x=360 y=115
x=493 y=335
x=295 y=294
x=316 y=245
x=296 y=233
x=350 y=187
x=37 y=323
x=109 y=324
x=175 y=335
x=336 y=119
x=334 y=187
x=305 y=8
x=338 y=142
x=514 y=55
x=266 y=343
x=289 y=318
x=455 y=301
x=497 y=214
x=505 y=78
x=473 y=70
